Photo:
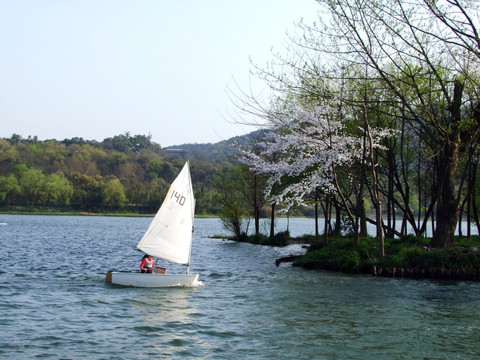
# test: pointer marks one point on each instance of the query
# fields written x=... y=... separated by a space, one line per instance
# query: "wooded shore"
x=409 y=258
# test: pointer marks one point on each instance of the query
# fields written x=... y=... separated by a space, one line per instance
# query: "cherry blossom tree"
x=313 y=145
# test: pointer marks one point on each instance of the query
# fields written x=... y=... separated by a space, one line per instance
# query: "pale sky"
x=100 y=68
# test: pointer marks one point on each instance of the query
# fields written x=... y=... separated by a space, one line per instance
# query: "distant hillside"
x=124 y=173
x=214 y=152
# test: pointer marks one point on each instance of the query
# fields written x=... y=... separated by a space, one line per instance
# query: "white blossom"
x=300 y=150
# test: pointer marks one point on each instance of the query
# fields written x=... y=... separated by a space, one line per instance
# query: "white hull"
x=151 y=280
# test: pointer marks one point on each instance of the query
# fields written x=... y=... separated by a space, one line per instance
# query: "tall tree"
x=425 y=53
x=233 y=215
x=113 y=194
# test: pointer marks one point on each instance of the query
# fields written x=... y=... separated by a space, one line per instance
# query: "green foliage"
x=9 y=189
x=393 y=246
x=408 y=258
x=280 y=239
x=233 y=213
x=31 y=181
x=79 y=174
x=339 y=255
x=159 y=168
x=455 y=258
x=114 y=195
x=234 y=217
x=87 y=191
x=58 y=190
x=408 y=252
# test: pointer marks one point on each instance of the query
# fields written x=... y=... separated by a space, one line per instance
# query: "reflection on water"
x=162 y=307
x=169 y=323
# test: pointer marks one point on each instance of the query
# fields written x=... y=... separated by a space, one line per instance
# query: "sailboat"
x=169 y=237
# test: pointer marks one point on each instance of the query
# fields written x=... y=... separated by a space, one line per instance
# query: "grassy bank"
x=408 y=256
x=280 y=239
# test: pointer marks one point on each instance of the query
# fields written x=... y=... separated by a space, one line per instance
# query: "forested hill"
x=121 y=173
x=213 y=152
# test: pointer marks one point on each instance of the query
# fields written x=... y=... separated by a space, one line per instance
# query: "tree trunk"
x=338 y=220
x=326 y=219
x=447 y=204
x=391 y=216
x=376 y=199
x=380 y=234
x=272 y=222
x=256 y=205
x=473 y=175
x=447 y=201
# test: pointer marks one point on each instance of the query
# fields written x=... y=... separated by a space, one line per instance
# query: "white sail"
x=169 y=235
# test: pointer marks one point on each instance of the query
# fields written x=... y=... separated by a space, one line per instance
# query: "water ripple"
x=56 y=306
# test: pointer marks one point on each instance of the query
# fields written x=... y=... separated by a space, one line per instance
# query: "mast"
x=193 y=220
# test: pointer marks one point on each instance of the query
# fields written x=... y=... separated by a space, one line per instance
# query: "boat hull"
x=151 y=280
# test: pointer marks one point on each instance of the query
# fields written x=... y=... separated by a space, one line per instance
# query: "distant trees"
x=87 y=191
x=121 y=173
x=32 y=186
x=9 y=189
x=113 y=194
x=58 y=190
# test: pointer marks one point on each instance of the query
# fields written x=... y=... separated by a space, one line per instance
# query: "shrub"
x=408 y=257
x=351 y=261
x=281 y=238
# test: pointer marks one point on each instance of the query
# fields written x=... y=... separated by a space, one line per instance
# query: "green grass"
x=279 y=239
x=408 y=252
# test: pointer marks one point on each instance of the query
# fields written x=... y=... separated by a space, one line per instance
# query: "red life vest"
x=147 y=263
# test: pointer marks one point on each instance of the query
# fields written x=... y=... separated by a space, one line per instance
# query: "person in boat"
x=147 y=264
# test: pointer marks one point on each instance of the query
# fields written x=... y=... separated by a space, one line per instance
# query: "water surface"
x=55 y=305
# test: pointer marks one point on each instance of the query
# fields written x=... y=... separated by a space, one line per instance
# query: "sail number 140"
x=179 y=197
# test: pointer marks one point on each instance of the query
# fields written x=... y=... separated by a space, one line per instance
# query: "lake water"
x=55 y=305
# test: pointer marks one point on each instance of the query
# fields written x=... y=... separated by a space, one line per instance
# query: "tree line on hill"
x=121 y=173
